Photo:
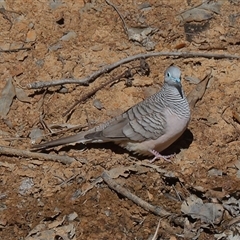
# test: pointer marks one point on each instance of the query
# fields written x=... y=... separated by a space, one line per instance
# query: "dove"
x=148 y=127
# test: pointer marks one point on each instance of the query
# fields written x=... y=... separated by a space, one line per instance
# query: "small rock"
x=40 y=63
x=68 y=36
x=35 y=134
x=31 y=36
x=215 y=172
x=63 y=90
x=26 y=184
x=55 y=47
x=97 y=104
x=144 y=6
x=97 y=48
x=72 y=216
x=54 y=4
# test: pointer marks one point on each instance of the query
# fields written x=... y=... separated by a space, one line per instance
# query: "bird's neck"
x=174 y=101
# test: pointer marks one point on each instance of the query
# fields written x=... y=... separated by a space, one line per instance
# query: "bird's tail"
x=77 y=138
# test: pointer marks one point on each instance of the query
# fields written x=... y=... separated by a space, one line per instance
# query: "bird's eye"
x=168 y=74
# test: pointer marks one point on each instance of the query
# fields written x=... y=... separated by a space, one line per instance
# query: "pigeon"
x=145 y=129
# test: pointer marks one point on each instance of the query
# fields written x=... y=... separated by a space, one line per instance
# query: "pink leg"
x=157 y=155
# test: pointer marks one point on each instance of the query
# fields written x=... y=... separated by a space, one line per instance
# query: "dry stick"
x=28 y=154
x=120 y=15
x=123 y=191
x=176 y=219
x=155 y=236
x=236 y=116
x=16 y=49
x=85 y=81
x=3 y=12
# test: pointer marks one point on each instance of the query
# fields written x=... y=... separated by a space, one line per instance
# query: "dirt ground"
x=44 y=199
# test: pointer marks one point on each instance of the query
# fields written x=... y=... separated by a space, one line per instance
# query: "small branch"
x=82 y=82
x=119 y=189
x=16 y=49
x=155 y=236
x=28 y=154
x=87 y=80
x=3 y=11
x=174 y=218
x=236 y=116
x=120 y=15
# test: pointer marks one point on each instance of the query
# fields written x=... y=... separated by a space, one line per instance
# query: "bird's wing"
x=139 y=123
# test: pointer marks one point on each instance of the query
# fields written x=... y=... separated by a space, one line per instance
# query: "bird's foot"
x=157 y=155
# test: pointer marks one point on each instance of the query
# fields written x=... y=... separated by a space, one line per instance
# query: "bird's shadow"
x=182 y=143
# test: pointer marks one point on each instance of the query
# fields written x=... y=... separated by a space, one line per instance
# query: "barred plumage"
x=148 y=127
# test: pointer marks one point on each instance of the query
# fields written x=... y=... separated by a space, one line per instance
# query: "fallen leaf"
x=125 y=171
x=196 y=15
x=198 y=92
x=233 y=206
x=207 y=212
x=21 y=95
x=202 y=12
x=6 y=99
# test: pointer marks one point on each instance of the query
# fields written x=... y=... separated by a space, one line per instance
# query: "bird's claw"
x=157 y=155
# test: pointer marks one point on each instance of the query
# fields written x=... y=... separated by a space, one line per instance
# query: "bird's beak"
x=179 y=88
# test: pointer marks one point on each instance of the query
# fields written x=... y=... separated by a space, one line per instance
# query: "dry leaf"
x=207 y=212
x=21 y=95
x=6 y=99
x=198 y=92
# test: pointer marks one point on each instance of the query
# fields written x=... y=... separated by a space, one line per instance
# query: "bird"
x=147 y=128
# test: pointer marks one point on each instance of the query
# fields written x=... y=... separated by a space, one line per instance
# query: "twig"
x=116 y=187
x=174 y=218
x=222 y=115
x=68 y=180
x=28 y=154
x=3 y=12
x=87 y=80
x=43 y=123
x=120 y=15
x=16 y=49
x=155 y=236
x=236 y=116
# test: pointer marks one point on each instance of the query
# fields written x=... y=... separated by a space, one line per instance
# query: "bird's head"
x=172 y=77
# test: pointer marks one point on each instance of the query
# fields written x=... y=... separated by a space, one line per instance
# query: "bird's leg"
x=157 y=155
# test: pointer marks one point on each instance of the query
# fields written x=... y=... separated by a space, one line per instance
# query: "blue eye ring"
x=168 y=74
